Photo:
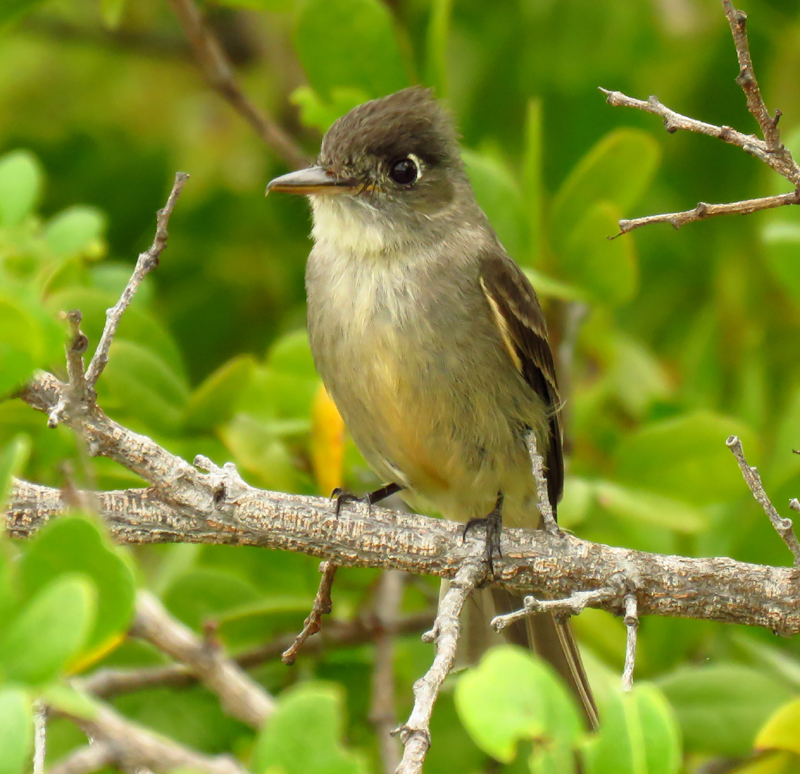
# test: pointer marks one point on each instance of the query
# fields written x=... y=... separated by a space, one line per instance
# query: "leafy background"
x=685 y=338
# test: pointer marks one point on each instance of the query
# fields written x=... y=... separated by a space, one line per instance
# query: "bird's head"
x=389 y=168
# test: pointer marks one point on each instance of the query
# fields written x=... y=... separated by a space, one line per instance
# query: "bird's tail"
x=554 y=642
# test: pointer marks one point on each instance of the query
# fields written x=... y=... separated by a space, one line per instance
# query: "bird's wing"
x=516 y=311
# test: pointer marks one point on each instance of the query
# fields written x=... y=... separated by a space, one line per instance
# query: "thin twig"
x=336 y=634
x=240 y=696
x=769 y=150
x=85 y=760
x=112 y=682
x=415 y=733
x=782 y=162
x=783 y=527
x=747 y=78
x=703 y=211
x=545 y=506
x=76 y=396
x=632 y=626
x=218 y=72
x=572 y=605
x=76 y=348
x=146 y=262
x=322 y=606
x=39 y=737
x=382 y=712
x=136 y=747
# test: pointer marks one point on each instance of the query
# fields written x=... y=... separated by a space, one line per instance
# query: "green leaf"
x=200 y=594
x=111 y=11
x=16 y=731
x=720 y=708
x=274 y=6
x=548 y=287
x=321 y=114
x=22 y=344
x=137 y=324
x=606 y=268
x=436 y=48
x=284 y=744
x=75 y=544
x=500 y=197
x=649 y=508
x=686 y=458
x=13 y=457
x=140 y=382
x=638 y=735
x=213 y=402
x=77 y=230
x=49 y=631
x=21 y=180
x=349 y=43
x=258 y=447
x=533 y=181
x=512 y=696
x=617 y=170
x=782 y=248
x=638 y=376
x=782 y=730
x=65 y=698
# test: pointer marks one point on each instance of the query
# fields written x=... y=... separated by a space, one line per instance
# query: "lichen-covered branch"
x=533 y=562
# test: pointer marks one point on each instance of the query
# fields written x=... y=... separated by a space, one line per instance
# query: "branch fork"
x=770 y=150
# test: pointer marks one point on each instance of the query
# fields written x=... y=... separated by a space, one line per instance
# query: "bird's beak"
x=314 y=180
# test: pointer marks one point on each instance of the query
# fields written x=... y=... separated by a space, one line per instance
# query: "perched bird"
x=427 y=335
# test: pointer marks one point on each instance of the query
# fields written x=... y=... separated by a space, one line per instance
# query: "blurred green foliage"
x=681 y=339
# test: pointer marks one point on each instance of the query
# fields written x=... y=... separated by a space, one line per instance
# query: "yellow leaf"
x=327 y=442
x=782 y=730
x=85 y=660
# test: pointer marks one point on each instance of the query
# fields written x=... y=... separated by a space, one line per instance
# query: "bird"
x=429 y=338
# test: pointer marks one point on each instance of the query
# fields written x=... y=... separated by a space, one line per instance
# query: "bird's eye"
x=404 y=171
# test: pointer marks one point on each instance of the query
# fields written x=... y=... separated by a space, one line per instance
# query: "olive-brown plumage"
x=428 y=337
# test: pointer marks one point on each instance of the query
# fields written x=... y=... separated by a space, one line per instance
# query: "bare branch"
x=632 y=625
x=545 y=506
x=85 y=760
x=769 y=150
x=783 y=527
x=240 y=696
x=572 y=605
x=703 y=211
x=39 y=737
x=218 y=72
x=322 y=606
x=336 y=634
x=135 y=747
x=146 y=262
x=747 y=78
x=534 y=562
x=382 y=712
x=415 y=732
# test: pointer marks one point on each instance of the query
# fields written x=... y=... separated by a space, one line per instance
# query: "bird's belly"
x=419 y=421
x=425 y=386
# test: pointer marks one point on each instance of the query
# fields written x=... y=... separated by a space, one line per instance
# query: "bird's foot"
x=493 y=524
x=341 y=497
